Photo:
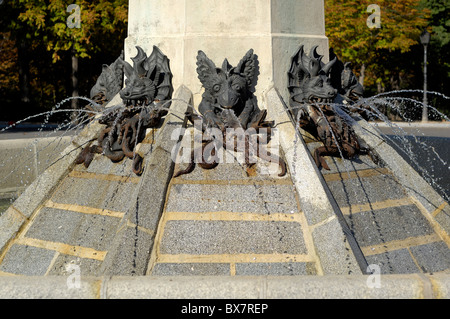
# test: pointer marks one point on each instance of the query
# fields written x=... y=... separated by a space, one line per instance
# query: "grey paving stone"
x=149 y=200
x=103 y=165
x=223 y=171
x=27 y=260
x=78 y=229
x=234 y=198
x=275 y=269
x=384 y=225
x=394 y=262
x=432 y=257
x=359 y=162
x=366 y=190
x=232 y=237
x=191 y=269
x=112 y=195
x=338 y=164
x=88 y=267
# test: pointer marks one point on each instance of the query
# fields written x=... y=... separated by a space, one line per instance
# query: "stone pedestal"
x=227 y=29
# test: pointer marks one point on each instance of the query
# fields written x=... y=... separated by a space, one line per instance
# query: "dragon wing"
x=158 y=70
x=297 y=71
x=139 y=61
x=247 y=67
x=206 y=70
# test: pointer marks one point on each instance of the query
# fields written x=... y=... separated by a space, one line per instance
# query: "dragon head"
x=148 y=79
x=138 y=88
x=227 y=85
x=110 y=80
x=350 y=85
x=309 y=79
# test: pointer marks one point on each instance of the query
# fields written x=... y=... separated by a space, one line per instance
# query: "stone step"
x=89 y=217
x=218 y=222
x=389 y=226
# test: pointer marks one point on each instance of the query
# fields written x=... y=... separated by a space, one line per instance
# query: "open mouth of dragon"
x=314 y=99
x=138 y=101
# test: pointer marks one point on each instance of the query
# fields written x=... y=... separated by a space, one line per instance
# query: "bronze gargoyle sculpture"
x=229 y=105
x=350 y=91
x=311 y=102
x=109 y=82
x=148 y=89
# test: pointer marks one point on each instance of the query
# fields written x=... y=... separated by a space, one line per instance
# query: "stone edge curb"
x=411 y=286
x=158 y=166
x=25 y=153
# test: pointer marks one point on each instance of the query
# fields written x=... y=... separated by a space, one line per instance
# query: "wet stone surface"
x=384 y=225
x=432 y=257
x=394 y=262
x=365 y=190
x=388 y=226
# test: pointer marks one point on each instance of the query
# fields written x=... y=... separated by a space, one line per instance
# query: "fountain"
x=340 y=200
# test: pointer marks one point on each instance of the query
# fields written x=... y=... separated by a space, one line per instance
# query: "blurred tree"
x=439 y=48
x=370 y=48
x=8 y=57
x=53 y=54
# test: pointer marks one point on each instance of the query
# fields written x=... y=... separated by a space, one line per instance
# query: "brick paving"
x=391 y=228
x=225 y=222
x=75 y=225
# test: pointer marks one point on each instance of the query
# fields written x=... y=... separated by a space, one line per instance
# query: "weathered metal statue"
x=311 y=101
x=228 y=103
x=148 y=80
x=148 y=89
x=350 y=91
x=344 y=80
x=228 y=88
x=108 y=84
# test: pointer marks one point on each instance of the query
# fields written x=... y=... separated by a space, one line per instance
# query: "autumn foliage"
x=369 y=49
x=38 y=49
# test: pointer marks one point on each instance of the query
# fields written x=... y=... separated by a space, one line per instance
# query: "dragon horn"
x=138 y=61
x=128 y=69
x=327 y=67
x=313 y=53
